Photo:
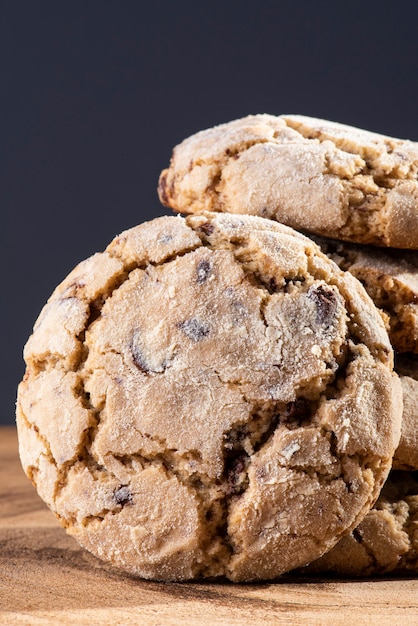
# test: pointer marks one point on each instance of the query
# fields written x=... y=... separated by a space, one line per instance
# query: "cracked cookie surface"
x=386 y=540
x=211 y=396
x=312 y=174
x=390 y=277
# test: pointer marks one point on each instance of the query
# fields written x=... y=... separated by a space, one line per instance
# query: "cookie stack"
x=214 y=394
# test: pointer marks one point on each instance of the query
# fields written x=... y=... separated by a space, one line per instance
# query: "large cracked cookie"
x=312 y=174
x=386 y=540
x=211 y=396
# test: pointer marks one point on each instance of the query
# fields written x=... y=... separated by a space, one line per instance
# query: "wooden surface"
x=46 y=578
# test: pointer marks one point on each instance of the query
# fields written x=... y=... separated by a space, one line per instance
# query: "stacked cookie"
x=214 y=394
x=339 y=185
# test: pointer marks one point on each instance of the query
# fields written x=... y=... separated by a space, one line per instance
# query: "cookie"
x=390 y=277
x=386 y=540
x=211 y=396
x=406 y=454
x=312 y=174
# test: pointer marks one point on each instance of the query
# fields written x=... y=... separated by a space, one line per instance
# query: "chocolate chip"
x=326 y=304
x=194 y=330
x=207 y=228
x=296 y=413
x=233 y=155
x=122 y=495
x=203 y=271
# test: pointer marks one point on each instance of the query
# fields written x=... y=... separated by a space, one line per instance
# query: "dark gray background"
x=94 y=95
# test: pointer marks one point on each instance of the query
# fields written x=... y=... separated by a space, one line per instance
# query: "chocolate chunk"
x=194 y=329
x=123 y=495
x=296 y=413
x=231 y=154
x=207 y=228
x=326 y=304
x=203 y=271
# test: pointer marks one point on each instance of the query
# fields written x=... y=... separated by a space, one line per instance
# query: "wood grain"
x=46 y=578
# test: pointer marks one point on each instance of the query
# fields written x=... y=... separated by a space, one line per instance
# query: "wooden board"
x=46 y=578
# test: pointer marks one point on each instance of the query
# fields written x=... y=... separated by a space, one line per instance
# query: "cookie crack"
x=382 y=180
x=396 y=298
x=95 y=310
x=134 y=265
x=232 y=153
x=366 y=186
x=29 y=470
x=210 y=495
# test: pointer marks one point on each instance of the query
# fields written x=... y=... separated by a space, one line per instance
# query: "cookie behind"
x=328 y=178
x=386 y=540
